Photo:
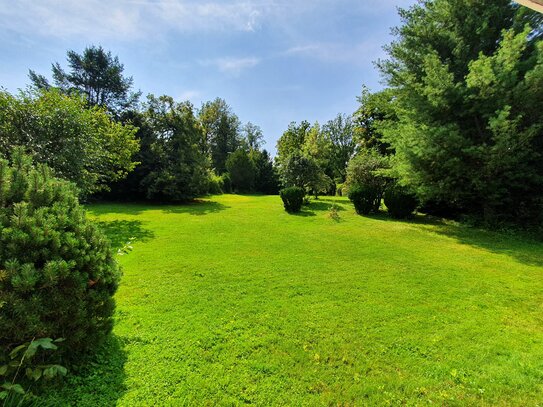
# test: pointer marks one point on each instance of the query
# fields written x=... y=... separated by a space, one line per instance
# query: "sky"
x=273 y=61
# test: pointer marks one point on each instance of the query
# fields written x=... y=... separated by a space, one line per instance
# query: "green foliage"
x=57 y=270
x=215 y=184
x=292 y=141
x=293 y=198
x=266 y=178
x=333 y=212
x=221 y=132
x=242 y=171
x=368 y=170
x=95 y=73
x=466 y=99
x=83 y=145
x=252 y=136
x=374 y=109
x=25 y=365
x=304 y=172
x=340 y=189
x=399 y=201
x=177 y=170
x=365 y=198
x=339 y=133
x=226 y=183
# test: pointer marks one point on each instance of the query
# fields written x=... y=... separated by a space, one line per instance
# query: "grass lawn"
x=233 y=301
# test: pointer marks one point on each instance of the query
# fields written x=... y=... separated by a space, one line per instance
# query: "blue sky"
x=274 y=61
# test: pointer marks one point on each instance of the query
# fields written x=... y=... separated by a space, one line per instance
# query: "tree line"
x=92 y=128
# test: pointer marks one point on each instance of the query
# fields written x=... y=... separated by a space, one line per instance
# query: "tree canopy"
x=95 y=73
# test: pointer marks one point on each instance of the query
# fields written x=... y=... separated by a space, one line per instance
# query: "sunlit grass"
x=233 y=301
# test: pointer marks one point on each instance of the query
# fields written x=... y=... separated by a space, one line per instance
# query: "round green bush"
x=366 y=198
x=399 y=201
x=57 y=271
x=293 y=198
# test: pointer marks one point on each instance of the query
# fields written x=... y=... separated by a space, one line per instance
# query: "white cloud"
x=127 y=19
x=232 y=65
x=190 y=95
x=361 y=52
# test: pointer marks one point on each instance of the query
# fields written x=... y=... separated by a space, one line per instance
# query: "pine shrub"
x=293 y=198
x=57 y=270
x=399 y=201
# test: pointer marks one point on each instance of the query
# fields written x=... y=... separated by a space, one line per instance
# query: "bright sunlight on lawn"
x=232 y=301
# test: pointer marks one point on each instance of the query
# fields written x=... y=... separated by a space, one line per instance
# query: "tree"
x=292 y=141
x=303 y=156
x=80 y=144
x=95 y=73
x=221 y=134
x=340 y=133
x=376 y=109
x=242 y=171
x=177 y=168
x=466 y=80
x=367 y=179
x=266 y=179
x=304 y=172
x=252 y=135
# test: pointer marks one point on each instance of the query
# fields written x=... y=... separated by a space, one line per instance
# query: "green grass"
x=233 y=301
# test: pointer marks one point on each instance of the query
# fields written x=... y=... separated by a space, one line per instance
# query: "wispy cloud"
x=231 y=65
x=190 y=95
x=127 y=19
x=360 y=52
x=140 y=19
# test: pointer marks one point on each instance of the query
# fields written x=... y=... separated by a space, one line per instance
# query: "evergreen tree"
x=467 y=85
x=95 y=73
x=242 y=171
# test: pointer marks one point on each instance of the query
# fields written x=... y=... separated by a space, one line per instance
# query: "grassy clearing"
x=233 y=301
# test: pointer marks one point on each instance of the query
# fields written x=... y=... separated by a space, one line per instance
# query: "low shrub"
x=339 y=189
x=293 y=198
x=399 y=201
x=58 y=273
x=366 y=198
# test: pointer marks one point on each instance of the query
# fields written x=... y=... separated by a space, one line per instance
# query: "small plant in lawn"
x=333 y=212
x=293 y=198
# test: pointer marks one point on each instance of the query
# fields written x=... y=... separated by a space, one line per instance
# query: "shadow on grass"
x=325 y=205
x=120 y=232
x=524 y=249
x=303 y=213
x=197 y=207
x=99 y=381
x=318 y=206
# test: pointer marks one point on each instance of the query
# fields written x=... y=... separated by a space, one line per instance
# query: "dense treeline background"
x=458 y=125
